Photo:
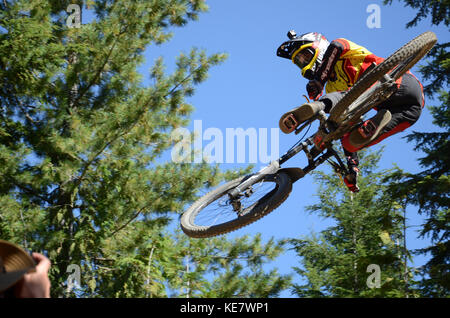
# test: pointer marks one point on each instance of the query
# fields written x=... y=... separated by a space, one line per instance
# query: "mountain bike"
x=246 y=199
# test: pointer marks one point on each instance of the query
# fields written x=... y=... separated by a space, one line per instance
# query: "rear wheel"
x=216 y=213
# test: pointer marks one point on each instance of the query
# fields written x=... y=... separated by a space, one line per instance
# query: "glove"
x=314 y=89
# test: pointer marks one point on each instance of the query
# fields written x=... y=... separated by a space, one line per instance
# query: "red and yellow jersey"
x=352 y=62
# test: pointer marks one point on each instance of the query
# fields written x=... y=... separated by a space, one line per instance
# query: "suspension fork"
x=294 y=173
x=273 y=167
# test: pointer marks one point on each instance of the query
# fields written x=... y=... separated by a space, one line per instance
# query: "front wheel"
x=216 y=213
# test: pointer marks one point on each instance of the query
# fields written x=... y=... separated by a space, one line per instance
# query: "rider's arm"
x=336 y=48
x=334 y=51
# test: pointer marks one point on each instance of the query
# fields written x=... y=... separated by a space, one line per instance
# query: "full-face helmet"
x=306 y=51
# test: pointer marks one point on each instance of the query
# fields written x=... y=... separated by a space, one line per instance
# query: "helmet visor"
x=303 y=58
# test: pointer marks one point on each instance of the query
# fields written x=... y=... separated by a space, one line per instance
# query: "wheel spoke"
x=221 y=210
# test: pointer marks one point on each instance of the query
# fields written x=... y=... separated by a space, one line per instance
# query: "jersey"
x=343 y=63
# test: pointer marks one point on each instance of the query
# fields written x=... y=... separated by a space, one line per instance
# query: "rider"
x=339 y=65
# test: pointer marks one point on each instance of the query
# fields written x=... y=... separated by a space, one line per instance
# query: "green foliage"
x=81 y=139
x=368 y=229
x=430 y=188
x=236 y=268
x=439 y=10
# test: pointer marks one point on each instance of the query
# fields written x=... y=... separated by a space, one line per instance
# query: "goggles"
x=304 y=56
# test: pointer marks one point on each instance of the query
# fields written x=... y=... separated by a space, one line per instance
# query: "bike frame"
x=371 y=90
x=322 y=141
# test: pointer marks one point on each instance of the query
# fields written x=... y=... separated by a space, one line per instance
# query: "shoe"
x=293 y=118
x=351 y=178
x=308 y=110
x=370 y=129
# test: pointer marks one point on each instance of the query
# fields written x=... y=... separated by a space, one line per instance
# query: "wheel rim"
x=222 y=210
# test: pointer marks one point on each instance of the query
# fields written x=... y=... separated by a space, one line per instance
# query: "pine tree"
x=430 y=189
x=80 y=138
x=148 y=261
x=233 y=268
x=368 y=234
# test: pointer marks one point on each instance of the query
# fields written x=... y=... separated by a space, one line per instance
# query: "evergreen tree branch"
x=127 y=223
x=97 y=74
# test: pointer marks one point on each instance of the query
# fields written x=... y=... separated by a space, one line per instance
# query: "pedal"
x=367 y=129
x=290 y=123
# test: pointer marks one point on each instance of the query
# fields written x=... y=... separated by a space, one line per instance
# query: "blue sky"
x=253 y=87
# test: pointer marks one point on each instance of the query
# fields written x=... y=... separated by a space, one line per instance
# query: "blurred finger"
x=43 y=263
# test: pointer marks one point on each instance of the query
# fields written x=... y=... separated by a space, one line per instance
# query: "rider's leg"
x=370 y=129
x=325 y=103
x=401 y=119
x=405 y=107
x=402 y=109
x=301 y=113
x=308 y=110
x=293 y=118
